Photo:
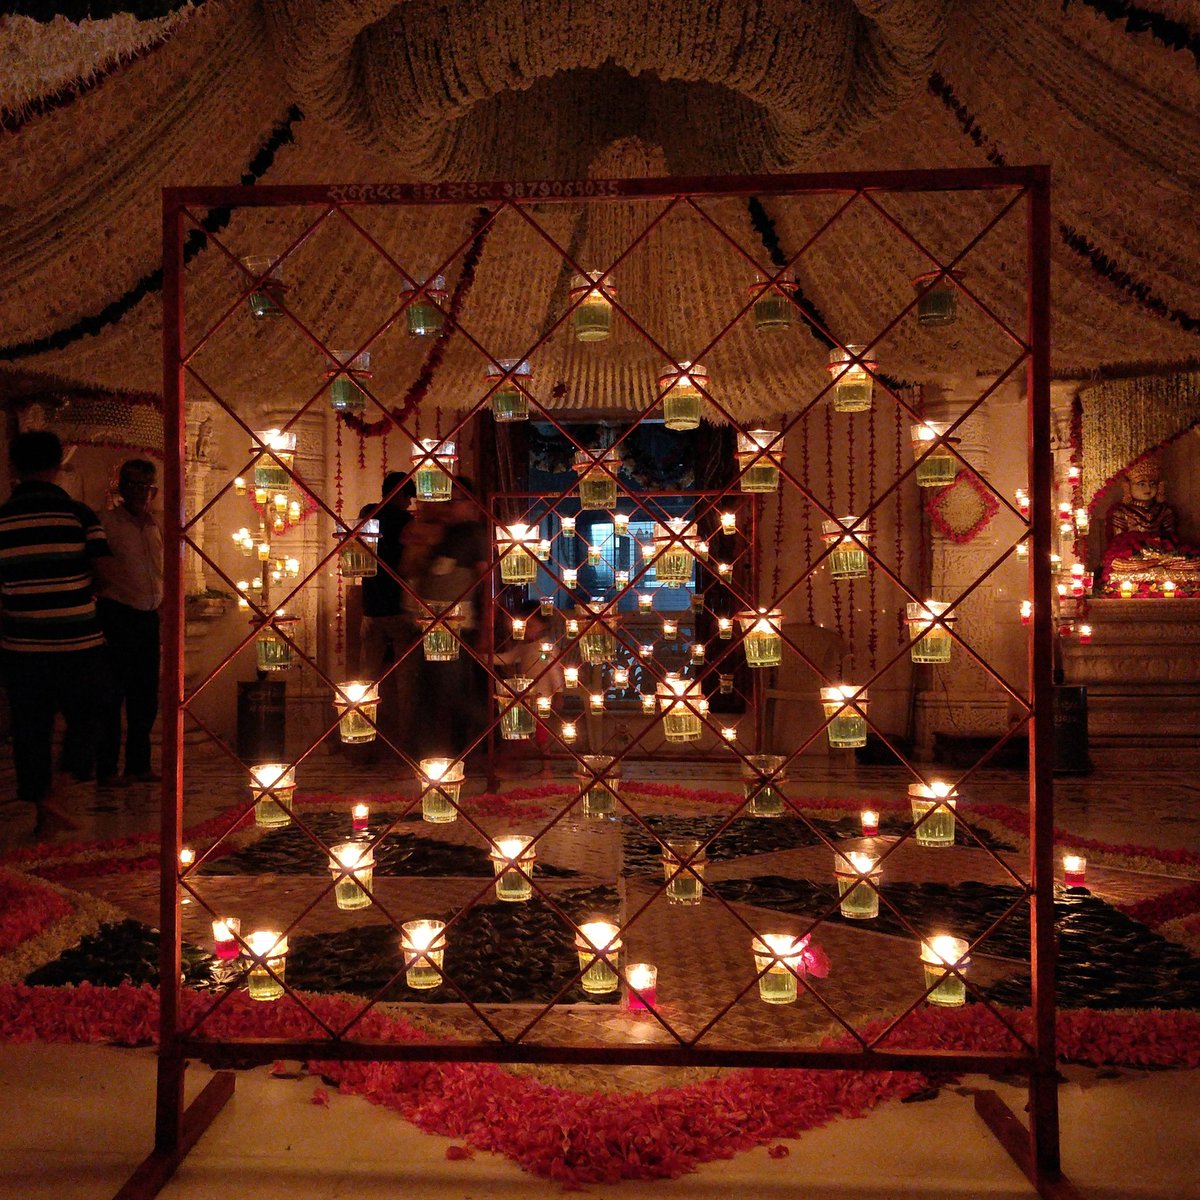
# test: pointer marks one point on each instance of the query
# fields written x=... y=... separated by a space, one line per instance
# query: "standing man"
x=128 y=604
x=51 y=549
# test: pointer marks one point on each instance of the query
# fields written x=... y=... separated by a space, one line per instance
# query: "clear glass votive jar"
x=933 y=645
x=424 y=314
x=517 y=545
x=679 y=390
x=597 y=471
x=848 y=557
x=937 y=297
x=356 y=559
x=507 y=854
x=434 y=463
x=761 y=776
x=674 y=552
x=854 y=383
x=352 y=866
x=680 y=703
x=858 y=875
x=225 y=939
x=938 y=956
x=439 y=641
x=441 y=781
x=762 y=637
x=423 y=944
x=516 y=719
x=273 y=648
x=598 y=641
x=939 y=800
x=357 y=702
x=269 y=952
x=940 y=467
x=772 y=309
x=600 y=796
x=758 y=466
x=780 y=958
x=591 y=319
x=271 y=471
x=345 y=394
x=267 y=298
x=599 y=974
x=510 y=400
x=846 y=704
x=685 y=884
x=272 y=785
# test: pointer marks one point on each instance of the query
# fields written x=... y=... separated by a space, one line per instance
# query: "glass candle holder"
x=360 y=816
x=848 y=557
x=439 y=642
x=545 y=705
x=869 y=819
x=568 y=732
x=352 y=866
x=679 y=701
x=1074 y=870
x=542 y=550
x=940 y=467
x=570 y=677
x=596 y=702
x=591 y=319
x=725 y=628
x=441 y=781
x=935 y=641
x=225 y=939
x=937 y=297
x=570 y=578
x=780 y=956
x=685 y=883
x=641 y=982
x=598 y=641
x=271 y=473
x=725 y=685
x=679 y=390
x=272 y=785
x=648 y=702
x=620 y=678
x=597 y=471
x=267 y=298
x=357 y=702
x=759 y=467
x=594 y=555
x=853 y=379
x=938 y=955
x=356 y=559
x=423 y=314
x=507 y=854
x=621 y=524
x=568 y=527
x=772 y=308
x=858 y=875
x=599 y=974
x=434 y=462
x=846 y=704
x=269 y=952
x=510 y=399
x=516 y=720
x=518 y=629
x=698 y=653
x=273 y=649
x=546 y=605
x=674 y=552
x=938 y=799
x=515 y=545
x=762 y=637
x=761 y=776
x=600 y=795
x=423 y=944
x=670 y=629
x=345 y=394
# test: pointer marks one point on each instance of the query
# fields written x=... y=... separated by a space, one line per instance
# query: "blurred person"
x=52 y=552
x=128 y=602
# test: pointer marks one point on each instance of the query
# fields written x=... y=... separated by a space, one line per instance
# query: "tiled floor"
x=75 y=1120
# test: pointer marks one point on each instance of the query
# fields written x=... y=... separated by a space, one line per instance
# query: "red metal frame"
x=176 y=1128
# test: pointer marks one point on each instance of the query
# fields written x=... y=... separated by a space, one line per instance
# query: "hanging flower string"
x=437 y=352
x=339 y=619
x=808 y=541
x=899 y=468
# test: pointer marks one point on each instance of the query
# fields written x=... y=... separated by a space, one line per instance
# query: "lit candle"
x=277 y=526
x=293 y=511
x=239 y=486
x=292 y=566
x=933 y=806
x=572 y=627
x=441 y=781
x=698 y=652
x=724 y=569
x=272 y=785
x=670 y=629
x=645 y=601
x=264 y=552
x=1085 y=634
x=870 y=822
x=593 y=556
x=545 y=650
x=648 y=552
x=1026 y=611
x=620 y=677
x=702 y=550
x=225 y=938
x=544 y=704
x=780 y=957
x=1082 y=520
x=1022 y=551
x=645 y=650
x=1127 y=588
x=621 y=524
x=260 y=496
x=360 y=814
x=512 y=861
x=846 y=704
x=857 y=874
x=648 y=702
x=1168 y=589
x=269 y=951
x=1074 y=870
x=423 y=944
x=356 y=702
x=568 y=731
x=518 y=629
x=570 y=578
x=352 y=865
x=728 y=522
x=599 y=974
x=243 y=603
x=725 y=627
x=622 y=578
x=642 y=983
x=571 y=677
x=938 y=955
x=596 y=702
x=1077 y=579
x=729 y=732
x=568 y=527
x=1073 y=474
x=187 y=856
x=281 y=502
x=543 y=550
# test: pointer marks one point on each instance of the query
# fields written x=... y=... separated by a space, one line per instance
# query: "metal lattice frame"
x=1033 y=1057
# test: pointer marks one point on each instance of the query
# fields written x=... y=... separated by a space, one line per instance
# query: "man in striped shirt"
x=52 y=549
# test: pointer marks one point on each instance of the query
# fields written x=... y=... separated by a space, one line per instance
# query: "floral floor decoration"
x=579 y=1135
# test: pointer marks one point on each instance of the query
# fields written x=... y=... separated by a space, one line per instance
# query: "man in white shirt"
x=128 y=602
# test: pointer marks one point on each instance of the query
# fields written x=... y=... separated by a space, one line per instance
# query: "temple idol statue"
x=1143 y=542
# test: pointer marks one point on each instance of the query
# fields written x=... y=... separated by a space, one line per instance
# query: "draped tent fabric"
x=395 y=91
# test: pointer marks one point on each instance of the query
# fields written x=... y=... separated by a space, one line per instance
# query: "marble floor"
x=74 y=1120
